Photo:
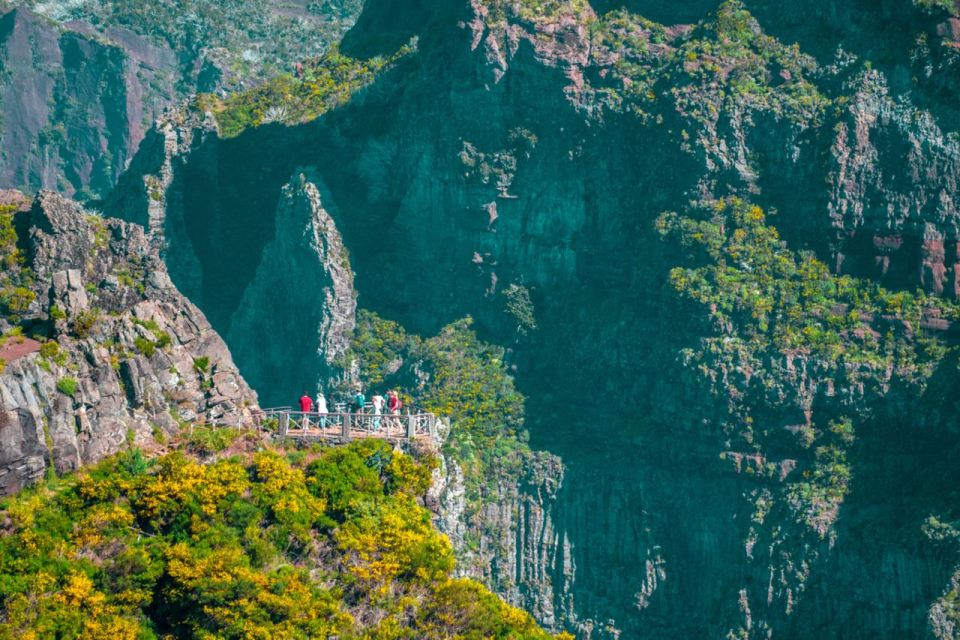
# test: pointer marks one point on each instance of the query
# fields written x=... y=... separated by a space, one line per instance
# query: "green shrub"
x=16 y=300
x=49 y=349
x=145 y=346
x=16 y=280
x=375 y=344
x=67 y=386
x=15 y=334
x=149 y=324
x=163 y=340
x=520 y=306
x=207 y=441
x=201 y=365
x=84 y=323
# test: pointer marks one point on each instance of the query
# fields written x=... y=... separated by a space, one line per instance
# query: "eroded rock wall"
x=303 y=287
x=133 y=357
x=499 y=155
x=76 y=104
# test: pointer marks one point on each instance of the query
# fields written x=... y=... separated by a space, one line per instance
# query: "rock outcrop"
x=303 y=287
x=897 y=222
x=126 y=356
x=75 y=104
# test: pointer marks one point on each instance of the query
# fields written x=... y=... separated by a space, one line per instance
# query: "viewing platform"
x=344 y=426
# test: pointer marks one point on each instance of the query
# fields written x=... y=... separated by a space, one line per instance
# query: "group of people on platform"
x=358 y=405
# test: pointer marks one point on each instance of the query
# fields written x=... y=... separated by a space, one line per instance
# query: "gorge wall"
x=125 y=356
x=538 y=150
x=82 y=82
x=75 y=105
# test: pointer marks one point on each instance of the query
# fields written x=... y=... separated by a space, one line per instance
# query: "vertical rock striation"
x=75 y=104
x=130 y=356
x=513 y=544
x=303 y=287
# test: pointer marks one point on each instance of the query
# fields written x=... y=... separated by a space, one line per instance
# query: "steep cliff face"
x=125 y=356
x=513 y=544
x=537 y=150
x=75 y=105
x=83 y=82
x=897 y=222
x=303 y=287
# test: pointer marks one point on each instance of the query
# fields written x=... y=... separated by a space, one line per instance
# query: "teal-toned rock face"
x=719 y=241
x=84 y=81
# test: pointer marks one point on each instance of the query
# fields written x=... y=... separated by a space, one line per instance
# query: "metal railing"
x=348 y=425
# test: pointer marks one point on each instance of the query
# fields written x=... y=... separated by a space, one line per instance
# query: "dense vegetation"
x=736 y=65
x=311 y=544
x=775 y=312
x=459 y=377
x=321 y=84
x=722 y=65
x=15 y=276
x=772 y=296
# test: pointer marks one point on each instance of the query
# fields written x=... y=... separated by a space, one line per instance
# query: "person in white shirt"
x=322 y=409
x=378 y=402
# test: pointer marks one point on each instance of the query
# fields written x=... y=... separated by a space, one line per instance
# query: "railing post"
x=284 y=417
x=432 y=423
x=411 y=426
x=345 y=426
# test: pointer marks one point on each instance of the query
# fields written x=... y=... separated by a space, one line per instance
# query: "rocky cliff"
x=512 y=543
x=303 y=287
x=123 y=357
x=83 y=82
x=532 y=147
x=76 y=104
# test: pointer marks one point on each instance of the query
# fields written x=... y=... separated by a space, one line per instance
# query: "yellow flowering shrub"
x=242 y=548
x=396 y=540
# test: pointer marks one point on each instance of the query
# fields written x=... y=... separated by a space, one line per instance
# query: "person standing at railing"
x=322 y=409
x=393 y=403
x=306 y=404
x=359 y=400
x=393 y=406
x=377 y=401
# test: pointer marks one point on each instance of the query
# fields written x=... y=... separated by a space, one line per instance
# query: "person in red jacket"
x=306 y=404
x=393 y=403
x=393 y=406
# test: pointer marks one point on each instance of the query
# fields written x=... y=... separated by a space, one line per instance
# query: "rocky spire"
x=303 y=287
